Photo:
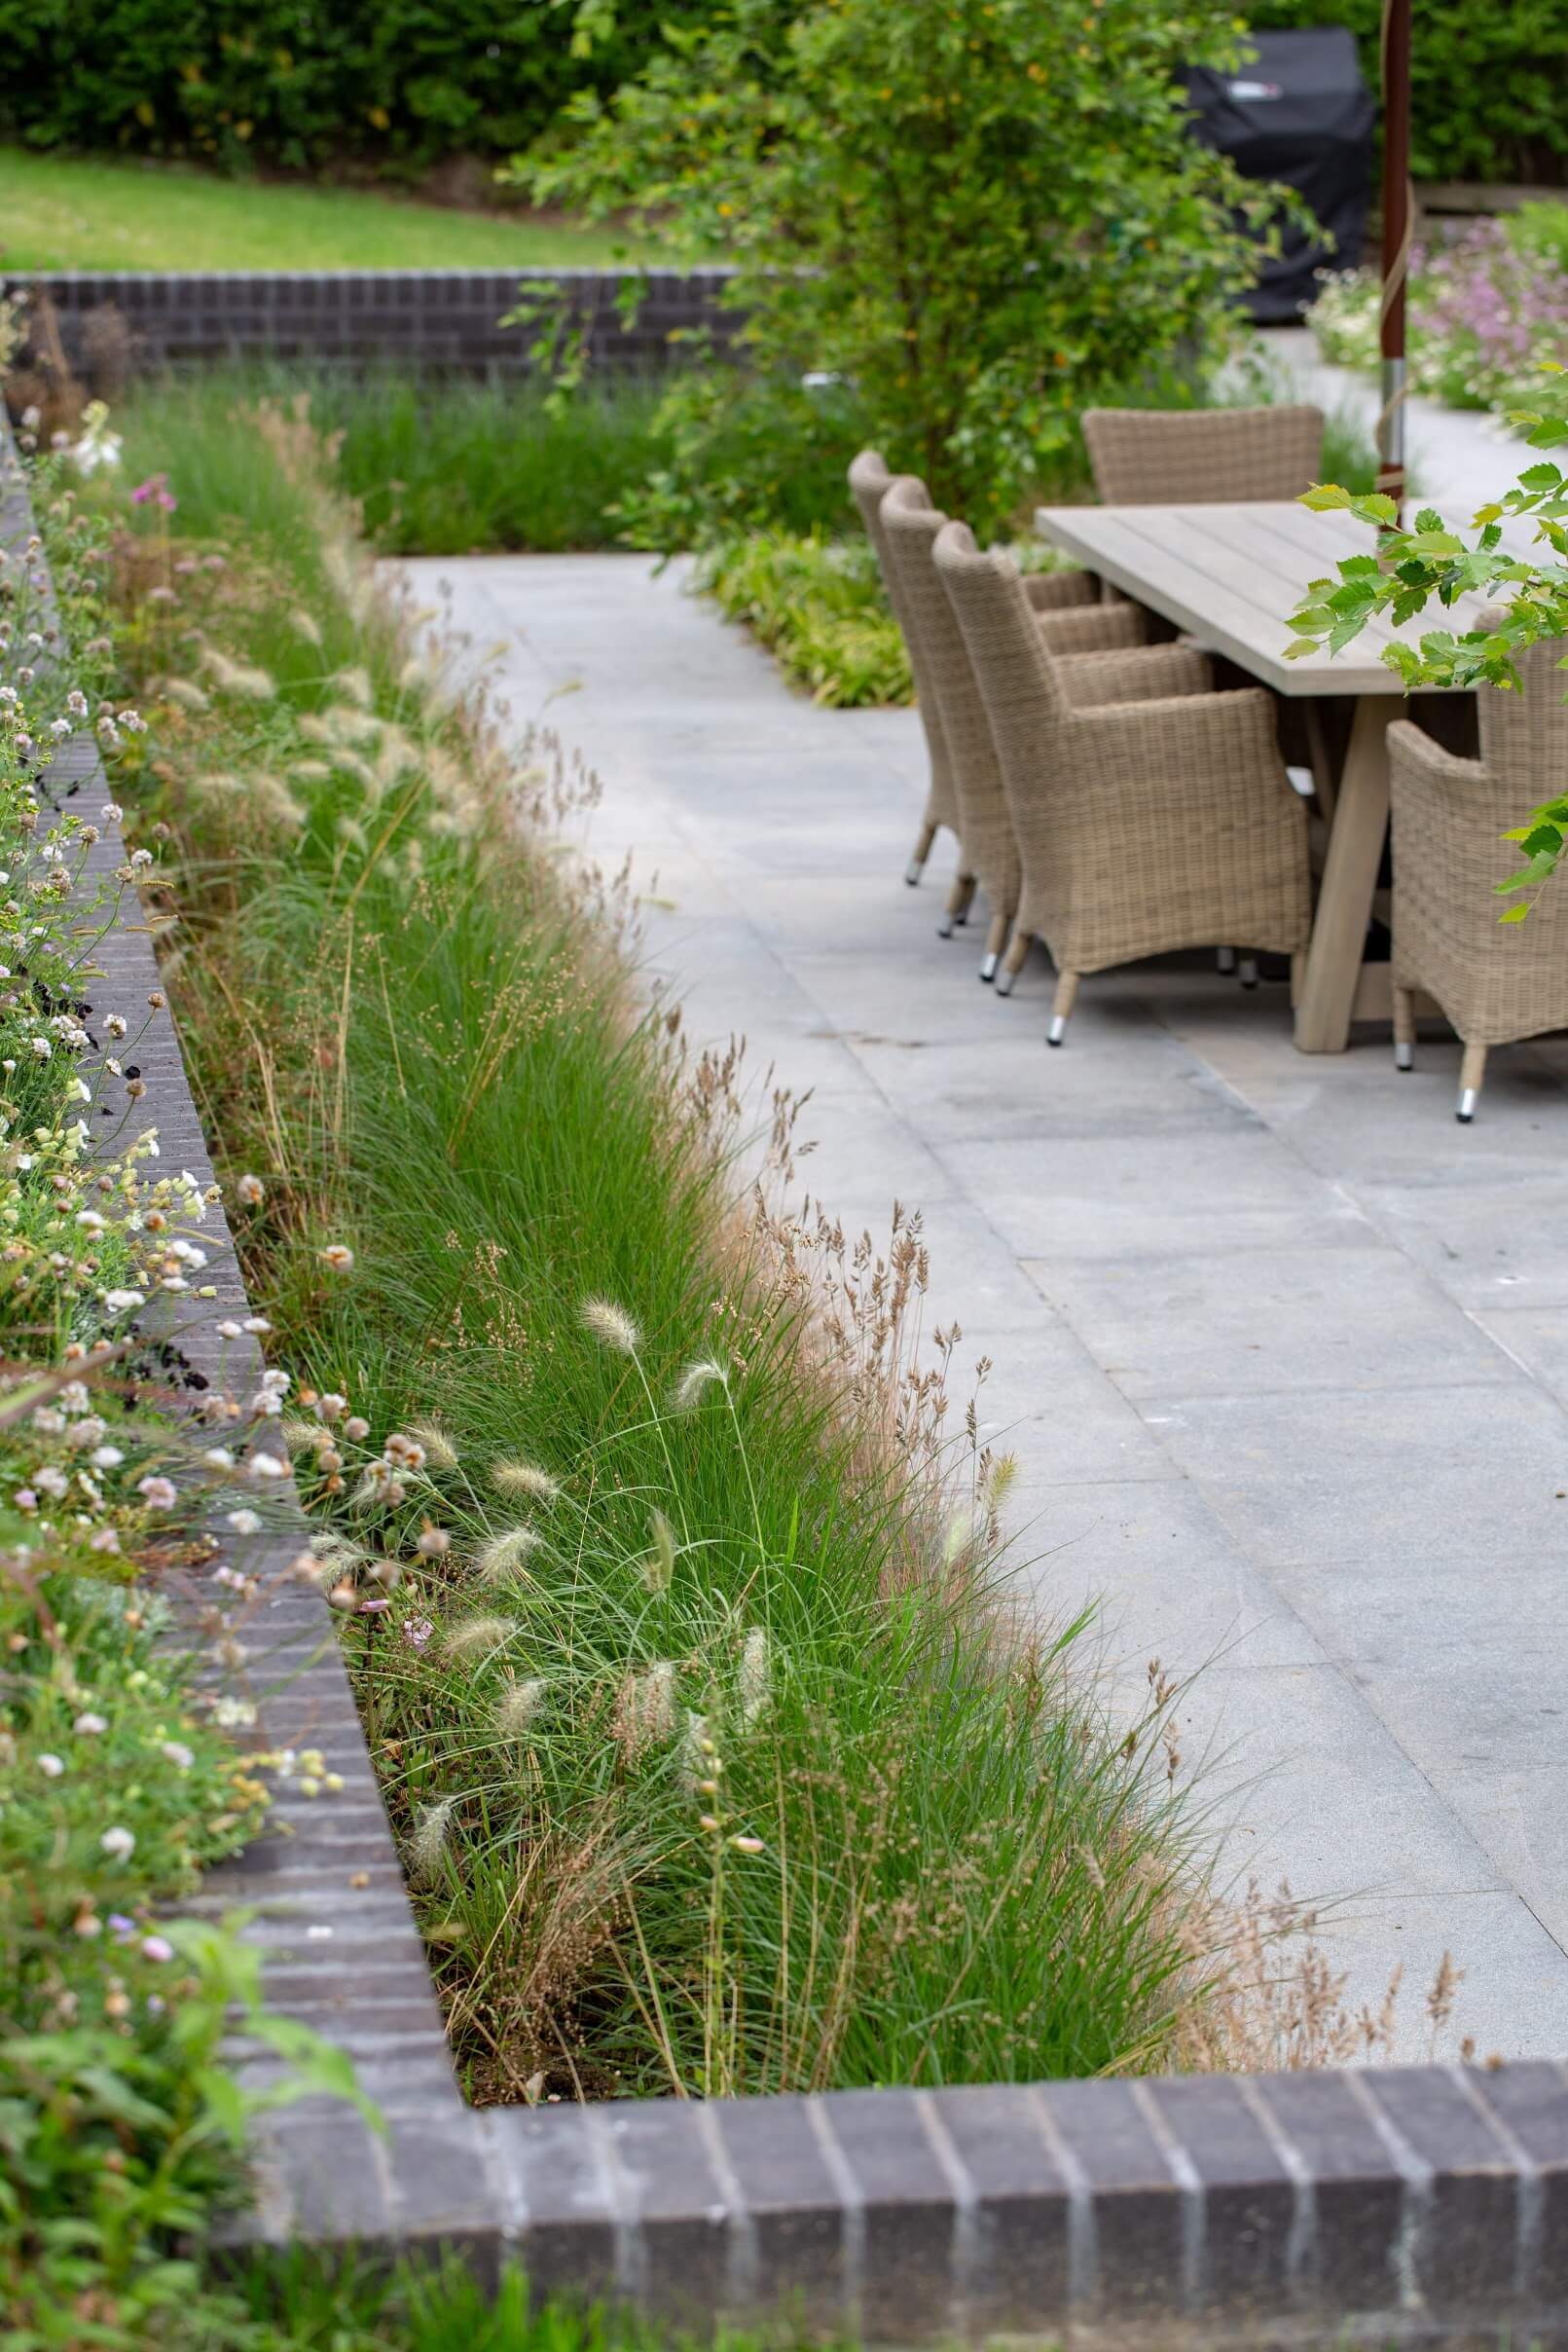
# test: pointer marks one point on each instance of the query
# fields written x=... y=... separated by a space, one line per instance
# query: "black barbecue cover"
x=1298 y=112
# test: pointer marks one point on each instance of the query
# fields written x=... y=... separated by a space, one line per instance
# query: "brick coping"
x=1417 y=2205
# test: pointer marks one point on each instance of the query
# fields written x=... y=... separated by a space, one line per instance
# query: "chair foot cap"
x=1004 y=983
x=1056 y=1031
x=1249 y=973
x=1224 y=960
x=987 y=967
x=1404 y=1057
x=912 y=873
x=1467 y=1107
x=944 y=929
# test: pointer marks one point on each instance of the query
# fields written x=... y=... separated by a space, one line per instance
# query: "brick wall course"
x=421 y=322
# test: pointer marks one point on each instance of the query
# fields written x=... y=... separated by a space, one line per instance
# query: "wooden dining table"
x=1229 y=577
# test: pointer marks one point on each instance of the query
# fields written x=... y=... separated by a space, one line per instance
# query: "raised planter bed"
x=1422 y=2205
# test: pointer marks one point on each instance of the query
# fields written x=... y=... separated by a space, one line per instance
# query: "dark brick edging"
x=437 y=323
x=1423 y=2205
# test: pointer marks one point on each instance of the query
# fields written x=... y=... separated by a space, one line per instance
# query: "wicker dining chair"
x=869 y=482
x=909 y=525
x=1495 y=986
x=1201 y=457
x=1143 y=825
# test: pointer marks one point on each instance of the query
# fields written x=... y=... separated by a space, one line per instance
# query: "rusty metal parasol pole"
x=1397 y=228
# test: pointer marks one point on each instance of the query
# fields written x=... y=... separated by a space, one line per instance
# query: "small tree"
x=980 y=215
x=1410 y=568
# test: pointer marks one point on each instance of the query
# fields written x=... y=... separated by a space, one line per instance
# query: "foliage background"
x=1486 y=83
x=398 y=88
x=390 y=86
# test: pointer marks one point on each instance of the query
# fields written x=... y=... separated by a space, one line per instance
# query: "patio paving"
x=1281 y=1351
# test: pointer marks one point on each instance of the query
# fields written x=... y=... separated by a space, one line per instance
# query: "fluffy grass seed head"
x=502 y=1555
x=518 y=1706
x=695 y=1382
x=429 y=1840
x=999 y=1480
x=525 y=1478
x=611 y=1326
x=754 y=1681
x=305 y=624
x=476 y=1638
x=658 y=1566
x=440 y=1453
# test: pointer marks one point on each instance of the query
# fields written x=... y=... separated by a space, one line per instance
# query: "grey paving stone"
x=1268 y=1252
x=1416 y=1473
x=1351 y=1319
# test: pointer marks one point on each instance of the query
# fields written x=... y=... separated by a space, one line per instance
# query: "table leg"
x=1349 y=880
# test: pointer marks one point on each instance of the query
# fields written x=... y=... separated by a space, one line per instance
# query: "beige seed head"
x=525 y=1478
x=518 y=1705
x=612 y=1325
x=476 y=1636
x=503 y=1555
x=695 y=1382
x=430 y=1839
x=755 y=1679
x=439 y=1450
x=659 y=1566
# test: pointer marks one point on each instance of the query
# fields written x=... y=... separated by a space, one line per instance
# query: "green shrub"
x=1486 y=83
x=974 y=217
x=819 y=604
x=386 y=85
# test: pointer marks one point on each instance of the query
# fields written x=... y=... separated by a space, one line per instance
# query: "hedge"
x=384 y=86
x=399 y=85
x=1487 y=81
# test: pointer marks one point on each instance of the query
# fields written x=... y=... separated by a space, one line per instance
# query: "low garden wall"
x=1419 y=2205
x=418 y=321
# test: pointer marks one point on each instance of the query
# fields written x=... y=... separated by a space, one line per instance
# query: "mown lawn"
x=68 y=213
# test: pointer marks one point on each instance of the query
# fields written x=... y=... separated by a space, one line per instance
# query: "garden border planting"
x=435 y=321
x=1431 y=2203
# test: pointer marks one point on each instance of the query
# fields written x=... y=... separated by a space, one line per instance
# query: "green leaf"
x=1299 y=647
x=1514 y=914
x=1324 y=497
x=1541 y=477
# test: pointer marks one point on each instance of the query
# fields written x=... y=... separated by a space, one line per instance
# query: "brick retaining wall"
x=1417 y=2206
x=424 y=321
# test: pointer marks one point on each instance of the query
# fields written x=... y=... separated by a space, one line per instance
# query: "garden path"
x=1281 y=1351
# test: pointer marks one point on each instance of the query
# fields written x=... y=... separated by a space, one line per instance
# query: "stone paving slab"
x=1281 y=1351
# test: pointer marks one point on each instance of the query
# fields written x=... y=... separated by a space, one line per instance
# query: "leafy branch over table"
x=1409 y=568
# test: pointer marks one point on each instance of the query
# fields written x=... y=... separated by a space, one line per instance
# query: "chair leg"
x=1248 y=971
x=958 y=905
x=1404 y=1027
x=922 y=851
x=1224 y=961
x=1471 y=1071
x=995 y=941
x=1012 y=963
x=1066 y=990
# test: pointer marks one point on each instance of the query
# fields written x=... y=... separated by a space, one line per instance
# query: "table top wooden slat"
x=1232 y=575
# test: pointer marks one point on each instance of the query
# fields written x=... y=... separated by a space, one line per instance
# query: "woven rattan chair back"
x=869 y=483
x=912 y=524
x=1449 y=815
x=1202 y=456
x=1524 y=736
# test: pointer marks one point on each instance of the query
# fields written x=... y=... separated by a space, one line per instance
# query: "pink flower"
x=155 y=492
x=416 y=1631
